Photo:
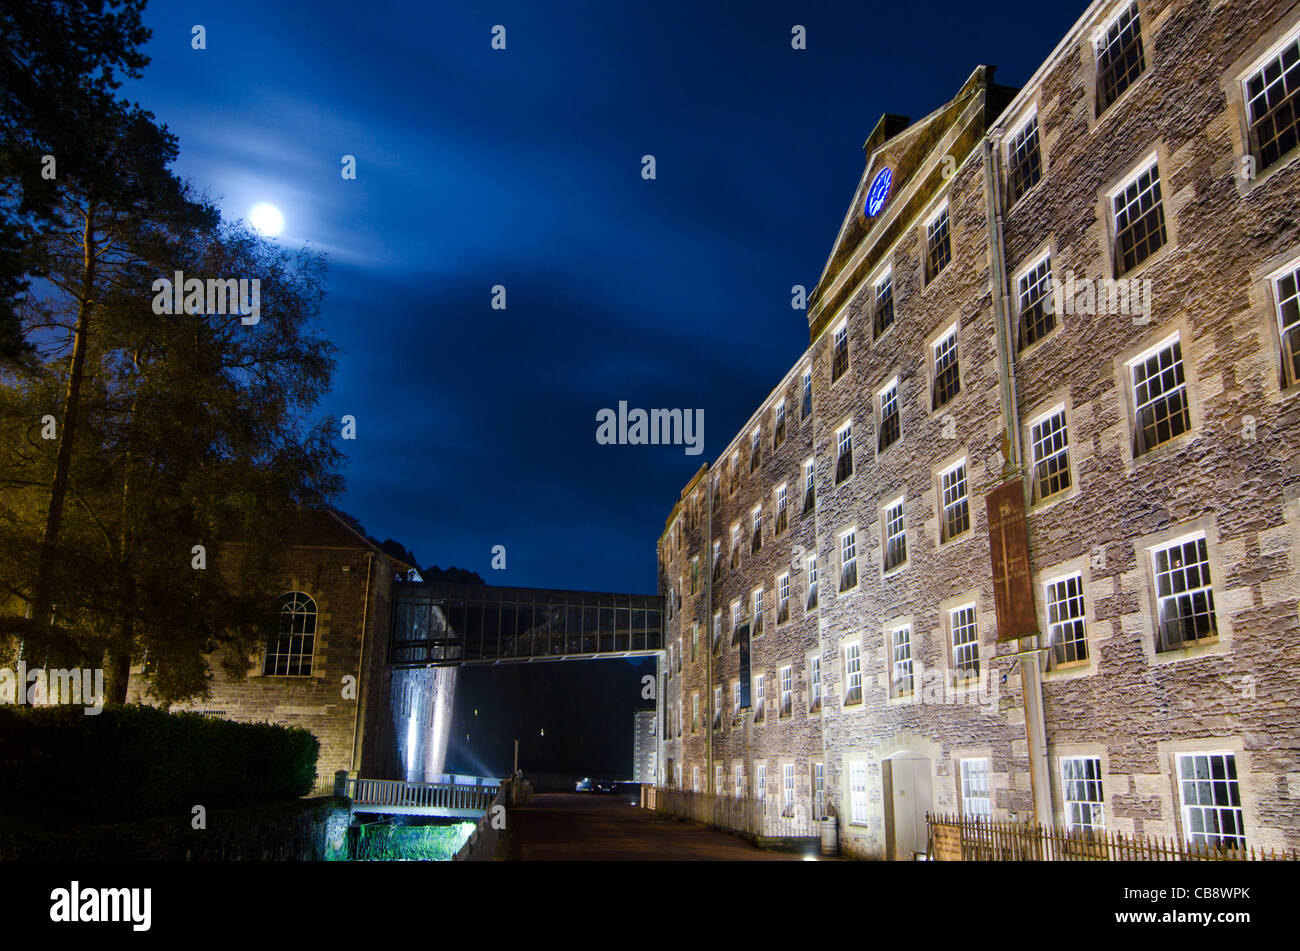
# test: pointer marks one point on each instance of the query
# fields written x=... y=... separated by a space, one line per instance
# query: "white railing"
x=767 y=817
x=402 y=796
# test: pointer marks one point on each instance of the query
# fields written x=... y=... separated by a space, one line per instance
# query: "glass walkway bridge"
x=436 y=624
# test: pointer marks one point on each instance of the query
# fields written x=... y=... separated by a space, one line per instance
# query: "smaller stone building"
x=326 y=669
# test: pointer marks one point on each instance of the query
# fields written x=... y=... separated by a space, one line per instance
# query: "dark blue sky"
x=523 y=168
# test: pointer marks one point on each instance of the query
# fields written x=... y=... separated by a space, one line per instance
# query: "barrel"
x=830 y=836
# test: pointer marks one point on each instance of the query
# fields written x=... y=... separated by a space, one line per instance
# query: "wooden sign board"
x=1013 y=587
x=945 y=842
x=744 y=666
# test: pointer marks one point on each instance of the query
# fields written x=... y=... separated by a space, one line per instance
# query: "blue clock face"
x=878 y=193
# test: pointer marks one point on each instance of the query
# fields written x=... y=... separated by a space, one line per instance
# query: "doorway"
x=908 y=798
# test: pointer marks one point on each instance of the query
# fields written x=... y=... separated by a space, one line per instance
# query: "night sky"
x=475 y=167
x=478 y=167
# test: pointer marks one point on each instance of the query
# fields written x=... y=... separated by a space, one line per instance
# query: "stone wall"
x=1234 y=476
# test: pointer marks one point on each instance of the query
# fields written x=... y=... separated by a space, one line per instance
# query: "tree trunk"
x=44 y=641
x=117 y=668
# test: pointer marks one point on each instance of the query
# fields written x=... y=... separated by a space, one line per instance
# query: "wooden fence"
x=959 y=838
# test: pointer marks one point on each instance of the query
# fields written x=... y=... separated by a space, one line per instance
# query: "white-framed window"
x=1049 y=452
x=894 y=535
x=787 y=690
x=809 y=485
x=1139 y=218
x=840 y=356
x=1272 y=95
x=814 y=683
x=717 y=710
x=787 y=784
x=718 y=787
x=783 y=598
x=735 y=697
x=735 y=473
x=1211 y=800
x=848 y=561
x=852 y=673
x=756 y=529
x=760 y=781
x=1081 y=793
x=890 y=428
x=289 y=651
x=883 y=309
x=755 y=447
x=947 y=375
x=1161 y=410
x=760 y=697
x=900 y=640
x=737 y=613
x=695 y=642
x=740 y=780
x=938 y=243
x=695 y=575
x=1024 y=159
x=782 y=508
x=965 y=642
x=717 y=559
x=1034 y=295
x=695 y=712
x=812 y=582
x=955 y=518
x=1184 y=593
x=735 y=545
x=1286 y=300
x=778 y=424
x=1067 y=630
x=1120 y=57
x=695 y=779
x=806 y=399
x=976 y=799
x=858 y=792
x=757 y=627
x=819 y=790
x=844 y=452
x=717 y=632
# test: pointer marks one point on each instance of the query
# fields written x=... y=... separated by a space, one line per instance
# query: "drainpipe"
x=708 y=640
x=361 y=660
x=1031 y=680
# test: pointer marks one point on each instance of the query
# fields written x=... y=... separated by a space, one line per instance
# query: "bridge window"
x=289 y=651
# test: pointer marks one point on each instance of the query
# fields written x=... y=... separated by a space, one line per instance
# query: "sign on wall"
x=743 y=637
x=1013 y=588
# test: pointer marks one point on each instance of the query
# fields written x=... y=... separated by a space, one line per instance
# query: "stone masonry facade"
x=369 y=718
x=1090 y=284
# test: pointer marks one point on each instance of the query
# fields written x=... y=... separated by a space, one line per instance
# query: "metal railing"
x=975 y=839
x=403 y=796
x=766 y=818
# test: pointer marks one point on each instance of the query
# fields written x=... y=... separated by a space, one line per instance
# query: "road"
x=598 y=828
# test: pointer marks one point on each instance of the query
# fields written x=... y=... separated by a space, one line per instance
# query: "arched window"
x=289 y=650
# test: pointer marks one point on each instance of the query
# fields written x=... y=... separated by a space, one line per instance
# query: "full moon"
x=266 y=218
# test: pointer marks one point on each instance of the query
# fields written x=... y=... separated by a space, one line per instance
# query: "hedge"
x=135 y=762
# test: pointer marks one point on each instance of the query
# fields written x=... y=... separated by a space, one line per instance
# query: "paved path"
x=601 y=828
